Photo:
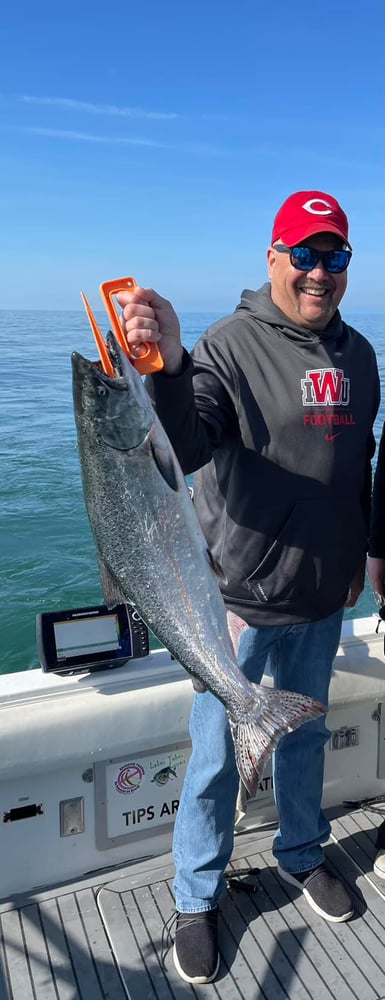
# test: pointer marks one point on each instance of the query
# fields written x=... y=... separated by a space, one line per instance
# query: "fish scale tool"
x=147 y=357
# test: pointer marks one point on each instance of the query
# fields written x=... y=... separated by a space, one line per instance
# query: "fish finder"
x=96 y=638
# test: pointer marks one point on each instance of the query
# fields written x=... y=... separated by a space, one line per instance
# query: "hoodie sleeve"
x=195 y=407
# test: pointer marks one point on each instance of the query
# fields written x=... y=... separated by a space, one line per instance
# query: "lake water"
x=47 y=554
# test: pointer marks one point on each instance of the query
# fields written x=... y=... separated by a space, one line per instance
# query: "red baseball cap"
x=306 y=213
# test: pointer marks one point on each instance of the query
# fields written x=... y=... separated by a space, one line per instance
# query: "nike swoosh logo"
x=330 y=437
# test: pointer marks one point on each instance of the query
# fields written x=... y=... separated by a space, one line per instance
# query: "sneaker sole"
x=317 y=909
x=194 y=979
x=378 y=871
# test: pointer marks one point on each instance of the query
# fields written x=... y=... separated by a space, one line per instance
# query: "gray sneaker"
x=196 y=954
x=323 y=891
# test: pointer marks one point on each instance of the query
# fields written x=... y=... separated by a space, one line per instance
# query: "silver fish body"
x=153 y=554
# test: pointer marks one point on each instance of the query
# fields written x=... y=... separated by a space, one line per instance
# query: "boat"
x=91 y=770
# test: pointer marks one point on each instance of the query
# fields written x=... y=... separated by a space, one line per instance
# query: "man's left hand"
x=356 y=586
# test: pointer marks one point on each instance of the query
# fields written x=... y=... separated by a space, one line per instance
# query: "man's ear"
x=271 y=259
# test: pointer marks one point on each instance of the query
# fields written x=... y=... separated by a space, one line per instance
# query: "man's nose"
x=319 y=271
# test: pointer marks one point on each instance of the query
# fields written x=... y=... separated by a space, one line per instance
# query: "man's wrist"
x=176 y=365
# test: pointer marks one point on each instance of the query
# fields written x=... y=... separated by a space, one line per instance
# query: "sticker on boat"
x=135 y=796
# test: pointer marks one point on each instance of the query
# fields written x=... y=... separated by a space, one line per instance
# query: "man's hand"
x=376 y=574
x=148 y=317
x=356 y=586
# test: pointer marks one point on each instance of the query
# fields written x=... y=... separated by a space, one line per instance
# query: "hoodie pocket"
x=315 y=554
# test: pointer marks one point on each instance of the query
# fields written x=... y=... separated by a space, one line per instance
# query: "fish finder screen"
x=87 y=636
x=90 y=639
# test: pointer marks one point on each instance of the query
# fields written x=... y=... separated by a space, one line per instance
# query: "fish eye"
x=100 y=390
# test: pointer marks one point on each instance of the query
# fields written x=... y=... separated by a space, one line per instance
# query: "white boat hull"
x=91 y=766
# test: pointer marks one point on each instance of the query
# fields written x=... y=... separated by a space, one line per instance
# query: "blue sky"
x=161 y=142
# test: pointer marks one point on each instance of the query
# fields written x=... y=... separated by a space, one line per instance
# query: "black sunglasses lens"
x=336 y=260
x=304 y=258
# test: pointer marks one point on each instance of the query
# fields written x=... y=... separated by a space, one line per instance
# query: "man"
x=376 y=558
x=273 y=412
x=376 y=572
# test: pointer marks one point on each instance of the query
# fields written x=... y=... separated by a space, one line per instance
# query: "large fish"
x=153 y=554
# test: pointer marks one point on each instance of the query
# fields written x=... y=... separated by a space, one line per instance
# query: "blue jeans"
x=300 y=659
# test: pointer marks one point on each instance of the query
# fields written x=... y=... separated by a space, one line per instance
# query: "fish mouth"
x=84 y=366
x=123 y=368
x=119 y=359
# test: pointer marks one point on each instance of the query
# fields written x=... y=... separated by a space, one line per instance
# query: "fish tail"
x=257 y=736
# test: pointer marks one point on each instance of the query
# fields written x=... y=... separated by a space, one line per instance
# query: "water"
x=48 y=559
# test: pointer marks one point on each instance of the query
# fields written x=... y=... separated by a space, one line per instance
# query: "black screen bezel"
x=47 y=644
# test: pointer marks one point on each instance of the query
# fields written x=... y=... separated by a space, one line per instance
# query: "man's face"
x=308 y=298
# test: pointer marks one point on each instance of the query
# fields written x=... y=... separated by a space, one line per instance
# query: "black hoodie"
x=278 y=421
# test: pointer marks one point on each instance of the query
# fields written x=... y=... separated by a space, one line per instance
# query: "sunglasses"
x=306 y=258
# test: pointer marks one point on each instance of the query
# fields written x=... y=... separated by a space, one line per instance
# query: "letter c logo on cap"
x=309 y=206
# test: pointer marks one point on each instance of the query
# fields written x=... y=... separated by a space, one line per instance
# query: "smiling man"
x=273 y=412
x=312 y=296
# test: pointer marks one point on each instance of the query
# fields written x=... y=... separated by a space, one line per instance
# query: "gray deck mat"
x=101 y=939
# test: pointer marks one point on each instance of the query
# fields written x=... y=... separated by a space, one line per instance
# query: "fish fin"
x=111 y=588
x=216 y=567
x=198 y=685
x=165 y=465
x=235 y=625
x=255 y=739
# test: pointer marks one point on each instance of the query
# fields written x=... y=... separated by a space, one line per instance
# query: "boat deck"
x=102 y=938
